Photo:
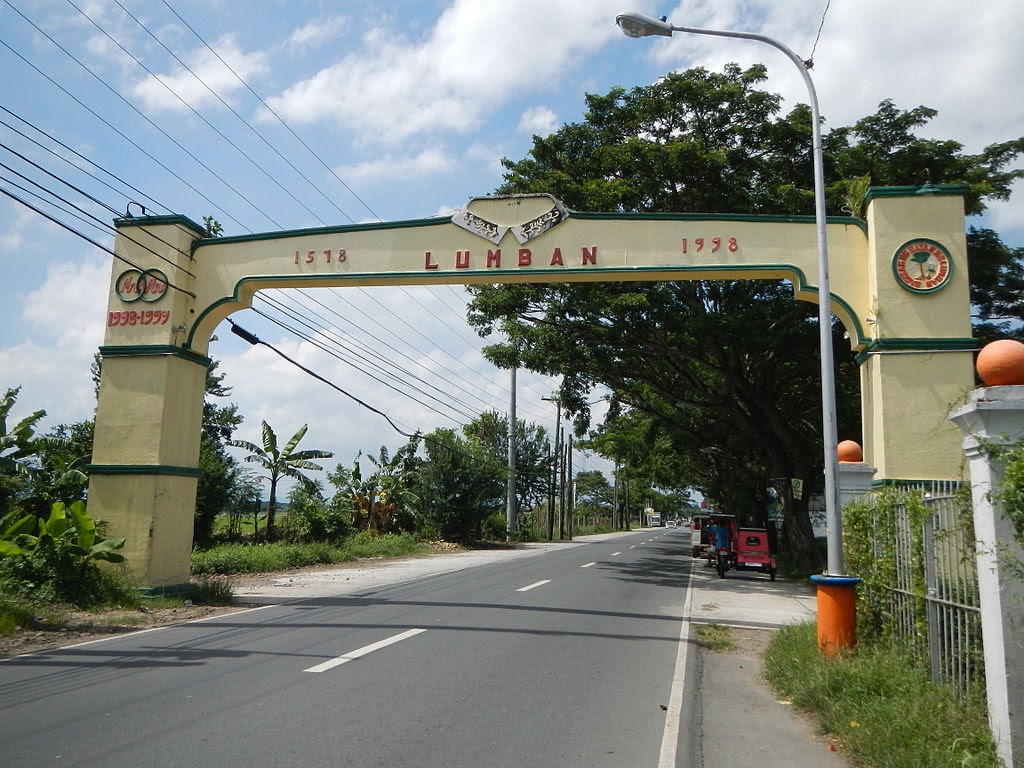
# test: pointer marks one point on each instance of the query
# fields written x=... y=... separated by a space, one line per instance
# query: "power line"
x=273 y=112
x=240 y=118
x=135 y=190
x=208 y=124
x=312 y=327
x=88 y=239
x=179 y=145
x=116 y=130
x=255 y=341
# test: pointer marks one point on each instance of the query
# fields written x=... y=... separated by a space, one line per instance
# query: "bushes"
x=264 y=558
x=55 y=560
x=261 y=558
x=496 y=527
x=317 y=522
x=51 y=573
x=883 y=709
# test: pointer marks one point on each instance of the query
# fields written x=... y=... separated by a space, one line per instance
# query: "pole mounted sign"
x=179 y=286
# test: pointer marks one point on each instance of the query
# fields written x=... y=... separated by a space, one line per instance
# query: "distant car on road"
x=670 y=524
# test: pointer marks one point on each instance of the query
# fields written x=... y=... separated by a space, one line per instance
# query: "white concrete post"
x=854 y=480
x=992 y=417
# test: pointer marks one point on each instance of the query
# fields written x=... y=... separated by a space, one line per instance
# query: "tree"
x=997 y=284
x=723 y=373
x=383 y=501
x=19 y=448
x=594 y=496
x=458 y=485
x=59 y=468
x=533 y=464
x=218 y=469
x=281 y=462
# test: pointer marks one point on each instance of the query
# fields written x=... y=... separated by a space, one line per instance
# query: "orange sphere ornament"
x=850 y=451
x=1001 y=363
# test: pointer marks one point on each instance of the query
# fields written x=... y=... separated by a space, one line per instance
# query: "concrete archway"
x=898 y=279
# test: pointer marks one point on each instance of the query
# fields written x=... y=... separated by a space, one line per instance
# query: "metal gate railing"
x=932 y=586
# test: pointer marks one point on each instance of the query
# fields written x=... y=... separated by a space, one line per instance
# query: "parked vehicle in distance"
x=700 y=540
x=754 y=551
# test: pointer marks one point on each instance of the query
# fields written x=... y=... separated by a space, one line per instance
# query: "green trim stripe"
x=789 y=272
x=156 y=350
x=581 y=215
x=883 y=346
x=142 y=469
x=874 y=193
x=367 y=227
x=153 y=221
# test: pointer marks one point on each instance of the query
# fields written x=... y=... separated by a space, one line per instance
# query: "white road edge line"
x=360 y=652
x=587 y=565
x=528 y=587
x=670 y=737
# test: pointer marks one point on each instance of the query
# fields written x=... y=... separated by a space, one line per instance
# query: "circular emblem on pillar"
x=922 y=266
x=134 y=284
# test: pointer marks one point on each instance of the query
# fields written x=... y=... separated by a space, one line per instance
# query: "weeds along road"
x=563 y=656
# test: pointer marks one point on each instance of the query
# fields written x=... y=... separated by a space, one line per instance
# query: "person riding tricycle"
x=722 y=538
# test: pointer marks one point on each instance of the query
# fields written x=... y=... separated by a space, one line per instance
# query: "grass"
x=265 y=558
x=884 y=711
x=15 y=614
x=714 y=637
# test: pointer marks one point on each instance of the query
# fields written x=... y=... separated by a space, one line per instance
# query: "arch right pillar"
x=918 y=363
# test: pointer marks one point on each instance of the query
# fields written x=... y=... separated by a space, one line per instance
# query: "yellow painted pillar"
x=918 y=363
x=145 y=458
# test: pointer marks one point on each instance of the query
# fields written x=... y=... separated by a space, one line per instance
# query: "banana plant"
x=13 y=529
x=68 y=523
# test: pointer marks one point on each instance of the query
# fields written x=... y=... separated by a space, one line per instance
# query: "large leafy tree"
x=218 y=469
x=724 y=374
x=59 y=468
x=458 y=485
x=533 y=464
x=20 y=450
x=279 y=462
x=997 y=285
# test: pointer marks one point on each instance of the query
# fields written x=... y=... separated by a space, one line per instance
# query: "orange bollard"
x=837 y=613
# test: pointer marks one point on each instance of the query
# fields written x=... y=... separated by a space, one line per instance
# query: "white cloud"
x=387 y=167
x=171 y=92
x=316 y=32
x=16 y=233
x=473 y=60
x=66 y=315
x=954 y=57
x=538 y=121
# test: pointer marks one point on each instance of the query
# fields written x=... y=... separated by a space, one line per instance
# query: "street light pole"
x=639 y=25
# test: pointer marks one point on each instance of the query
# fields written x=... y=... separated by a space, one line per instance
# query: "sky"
x=284 y=114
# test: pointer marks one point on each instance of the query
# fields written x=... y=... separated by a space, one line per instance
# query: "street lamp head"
x=635 y=24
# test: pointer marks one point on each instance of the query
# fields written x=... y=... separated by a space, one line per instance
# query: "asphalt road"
x=565 y=657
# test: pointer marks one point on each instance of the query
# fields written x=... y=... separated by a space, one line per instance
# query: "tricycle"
x=752 y=551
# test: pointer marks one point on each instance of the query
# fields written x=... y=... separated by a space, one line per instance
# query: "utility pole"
x=616 y=515
x=510 y=516
x=554 y=467
x=571 y=488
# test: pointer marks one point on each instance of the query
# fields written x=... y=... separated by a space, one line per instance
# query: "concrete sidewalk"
x=741 y=721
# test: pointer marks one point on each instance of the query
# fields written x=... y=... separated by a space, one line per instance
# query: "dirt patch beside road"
x=81 y=626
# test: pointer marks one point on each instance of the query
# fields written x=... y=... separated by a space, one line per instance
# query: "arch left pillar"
x=145 y=461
